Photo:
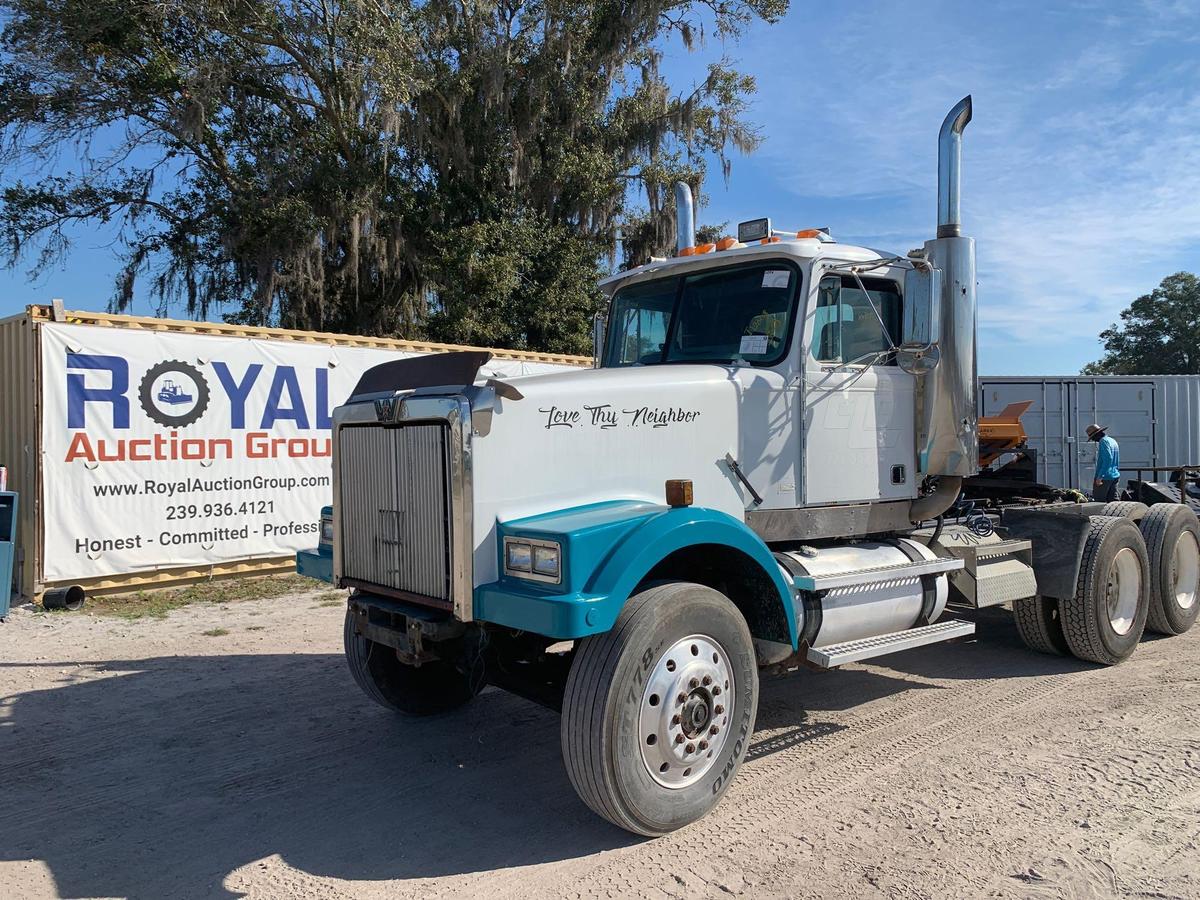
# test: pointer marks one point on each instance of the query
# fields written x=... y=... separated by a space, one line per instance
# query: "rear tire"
x=1104 y=620
x=1040 y=626
x=435 y=687
x=643 y=702
x=1128 y=509
x=1172 y=534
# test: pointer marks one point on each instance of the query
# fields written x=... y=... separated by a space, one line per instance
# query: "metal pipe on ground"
x=69 y=598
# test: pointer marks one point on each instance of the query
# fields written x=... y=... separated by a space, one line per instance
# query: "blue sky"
x=1081 y=168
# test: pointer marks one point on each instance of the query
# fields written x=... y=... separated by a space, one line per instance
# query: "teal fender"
x=317 y=563
x=314 y=564
x=607 y=551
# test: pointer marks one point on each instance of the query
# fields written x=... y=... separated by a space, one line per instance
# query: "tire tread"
x=1077 y=613
x=357 y=661
x=584 y=703
x=431 y=690
x=589 y=698
x=1128 y=509
x=1037 y=633
x=1155 y=527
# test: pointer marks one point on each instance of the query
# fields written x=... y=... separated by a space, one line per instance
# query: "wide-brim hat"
x=1094 y=429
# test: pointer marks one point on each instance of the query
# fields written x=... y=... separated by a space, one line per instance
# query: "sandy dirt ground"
x=147 y=759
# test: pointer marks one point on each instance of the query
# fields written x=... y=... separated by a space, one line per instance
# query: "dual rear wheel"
x=1172 y=535
x=1132 y=577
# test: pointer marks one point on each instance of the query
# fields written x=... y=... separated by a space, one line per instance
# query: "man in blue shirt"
x=1108 y=460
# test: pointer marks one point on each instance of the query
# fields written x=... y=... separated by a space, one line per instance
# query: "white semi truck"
x=755 y=475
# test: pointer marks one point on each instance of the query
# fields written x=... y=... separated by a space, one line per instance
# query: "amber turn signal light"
x=679 y=492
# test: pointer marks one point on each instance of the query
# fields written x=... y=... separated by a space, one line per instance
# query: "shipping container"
x=20 y=436
x=22 y=430
x=1154 y=418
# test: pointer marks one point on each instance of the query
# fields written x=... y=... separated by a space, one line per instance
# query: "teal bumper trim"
x=560 y=616
x=314 y=564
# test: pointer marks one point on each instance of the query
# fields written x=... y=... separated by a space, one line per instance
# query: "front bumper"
x=559 y=616
x=314 y=564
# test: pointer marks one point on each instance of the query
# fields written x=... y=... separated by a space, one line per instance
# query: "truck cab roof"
x=801 y=249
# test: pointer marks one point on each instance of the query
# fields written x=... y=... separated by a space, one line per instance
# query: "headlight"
x=518 y=557
x=533 y=559
x=327 y=531
x=545 y=561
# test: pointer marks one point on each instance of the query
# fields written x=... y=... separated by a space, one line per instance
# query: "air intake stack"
x=948 y=439
x=685 y=218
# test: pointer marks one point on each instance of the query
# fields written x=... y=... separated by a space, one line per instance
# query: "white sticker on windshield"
x=753 y=344
x=776 y=278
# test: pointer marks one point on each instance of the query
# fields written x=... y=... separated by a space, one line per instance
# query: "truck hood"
x=577 y=438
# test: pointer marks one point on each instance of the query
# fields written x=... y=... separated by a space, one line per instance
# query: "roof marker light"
x=727 y=243
x=754 y=230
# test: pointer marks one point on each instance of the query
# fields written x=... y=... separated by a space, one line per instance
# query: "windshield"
x=736 y=314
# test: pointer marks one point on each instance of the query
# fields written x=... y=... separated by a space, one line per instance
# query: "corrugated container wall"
x=19 y=433
x=1155 y=419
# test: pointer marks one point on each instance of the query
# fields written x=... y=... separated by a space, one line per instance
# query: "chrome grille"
x=394 y=517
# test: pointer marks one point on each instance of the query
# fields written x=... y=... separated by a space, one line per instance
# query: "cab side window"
x=846 y=328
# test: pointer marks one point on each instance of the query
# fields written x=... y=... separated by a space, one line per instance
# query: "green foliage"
x=420 y=169
x=518 y=281
x=1159 y=333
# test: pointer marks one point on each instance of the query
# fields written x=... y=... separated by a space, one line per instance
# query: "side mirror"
x=922 y=320
x=922 y=309
x=599 y=331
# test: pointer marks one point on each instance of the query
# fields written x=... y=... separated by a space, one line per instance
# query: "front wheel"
x=658 y=712
x=435 y=687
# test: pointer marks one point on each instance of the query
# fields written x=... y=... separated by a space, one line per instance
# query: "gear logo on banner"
x=173 y=393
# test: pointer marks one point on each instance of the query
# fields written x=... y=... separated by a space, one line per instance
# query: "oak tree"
x=442 y=169
x=1159 y=333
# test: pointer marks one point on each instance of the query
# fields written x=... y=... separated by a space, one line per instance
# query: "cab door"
x=858 y=405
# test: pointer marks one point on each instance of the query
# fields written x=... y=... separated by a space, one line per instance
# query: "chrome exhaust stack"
x=948 y=437
x=950 y=168
x=685 y=217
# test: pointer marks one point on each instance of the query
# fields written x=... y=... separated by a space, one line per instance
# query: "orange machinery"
x=1002 y=433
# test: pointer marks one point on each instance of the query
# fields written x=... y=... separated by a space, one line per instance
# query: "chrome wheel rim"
x=1185 y=569
x=683 y=722
x=1124 y=590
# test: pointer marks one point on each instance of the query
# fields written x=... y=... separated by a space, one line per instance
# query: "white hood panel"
x=591 y=436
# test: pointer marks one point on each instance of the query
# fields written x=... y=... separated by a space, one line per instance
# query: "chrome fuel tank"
x=866 y=610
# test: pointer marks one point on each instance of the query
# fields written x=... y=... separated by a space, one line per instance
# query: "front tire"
x=1104 y=620
x=435 y=687
x=658 y=711
x=1172 y=535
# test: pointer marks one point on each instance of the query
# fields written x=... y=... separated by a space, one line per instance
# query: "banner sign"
x=166 y=449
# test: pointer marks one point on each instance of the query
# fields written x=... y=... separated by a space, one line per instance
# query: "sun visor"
x=433 y=370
